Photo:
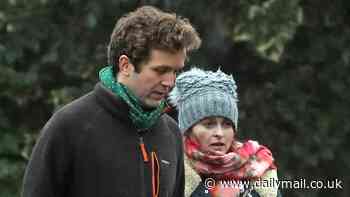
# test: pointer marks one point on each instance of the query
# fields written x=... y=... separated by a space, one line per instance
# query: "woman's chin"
x=218 y=150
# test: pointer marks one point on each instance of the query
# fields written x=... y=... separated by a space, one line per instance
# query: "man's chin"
x=151 y=103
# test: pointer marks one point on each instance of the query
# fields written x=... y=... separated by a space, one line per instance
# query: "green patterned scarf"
x=142 y=119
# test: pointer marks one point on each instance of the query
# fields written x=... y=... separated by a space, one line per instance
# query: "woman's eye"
x=209 y=124
x=227 y=124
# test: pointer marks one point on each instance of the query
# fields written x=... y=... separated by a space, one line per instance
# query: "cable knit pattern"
x=199 y=94
x=197 y=82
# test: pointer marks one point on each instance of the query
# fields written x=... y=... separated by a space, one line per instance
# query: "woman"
x=208 y=118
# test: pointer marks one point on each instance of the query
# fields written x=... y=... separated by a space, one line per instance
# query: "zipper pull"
x=143 y=150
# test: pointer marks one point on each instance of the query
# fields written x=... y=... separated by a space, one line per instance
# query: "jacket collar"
x=112 y=103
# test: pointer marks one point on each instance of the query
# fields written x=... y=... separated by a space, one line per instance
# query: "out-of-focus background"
x=290 y=58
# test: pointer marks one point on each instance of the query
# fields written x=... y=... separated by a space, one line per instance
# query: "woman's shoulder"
x=200 y=191
x=192 y=178
x=268 y=184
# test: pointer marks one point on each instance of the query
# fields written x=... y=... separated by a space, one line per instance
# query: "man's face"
x=156 y=77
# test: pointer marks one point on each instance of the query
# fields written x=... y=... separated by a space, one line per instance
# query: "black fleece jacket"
x=90 y=148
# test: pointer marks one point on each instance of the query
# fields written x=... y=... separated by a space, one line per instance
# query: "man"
x=116 y=140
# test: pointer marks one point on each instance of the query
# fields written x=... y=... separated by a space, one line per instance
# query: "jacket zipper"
x=143 y=160
x=143 y=150
x=154 y=166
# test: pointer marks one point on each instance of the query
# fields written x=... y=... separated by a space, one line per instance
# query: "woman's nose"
x=218 y=131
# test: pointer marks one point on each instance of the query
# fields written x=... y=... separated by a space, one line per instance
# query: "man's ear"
x=125 y=66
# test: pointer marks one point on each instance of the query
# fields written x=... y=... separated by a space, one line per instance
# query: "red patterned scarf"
x=244 y=161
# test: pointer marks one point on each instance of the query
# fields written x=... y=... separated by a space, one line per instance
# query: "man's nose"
x=169 y=80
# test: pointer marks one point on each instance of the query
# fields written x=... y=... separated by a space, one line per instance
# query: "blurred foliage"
x=291 y=60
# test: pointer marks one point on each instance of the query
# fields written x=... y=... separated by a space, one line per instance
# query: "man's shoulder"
x=79 y=106
x=168 y=119
x=76 y=111
x=171 y=123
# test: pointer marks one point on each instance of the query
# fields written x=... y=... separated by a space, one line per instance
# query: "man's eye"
x=161 y=70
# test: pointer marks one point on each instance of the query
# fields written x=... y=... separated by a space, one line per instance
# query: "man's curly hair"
x=137 y=33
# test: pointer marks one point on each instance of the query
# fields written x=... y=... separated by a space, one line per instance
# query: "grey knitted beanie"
x=199 y=94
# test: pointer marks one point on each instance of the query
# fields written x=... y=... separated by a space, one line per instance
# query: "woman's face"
x=214 y=134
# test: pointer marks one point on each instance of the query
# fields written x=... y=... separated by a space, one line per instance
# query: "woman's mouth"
x=217 y=144
x=218 y=147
